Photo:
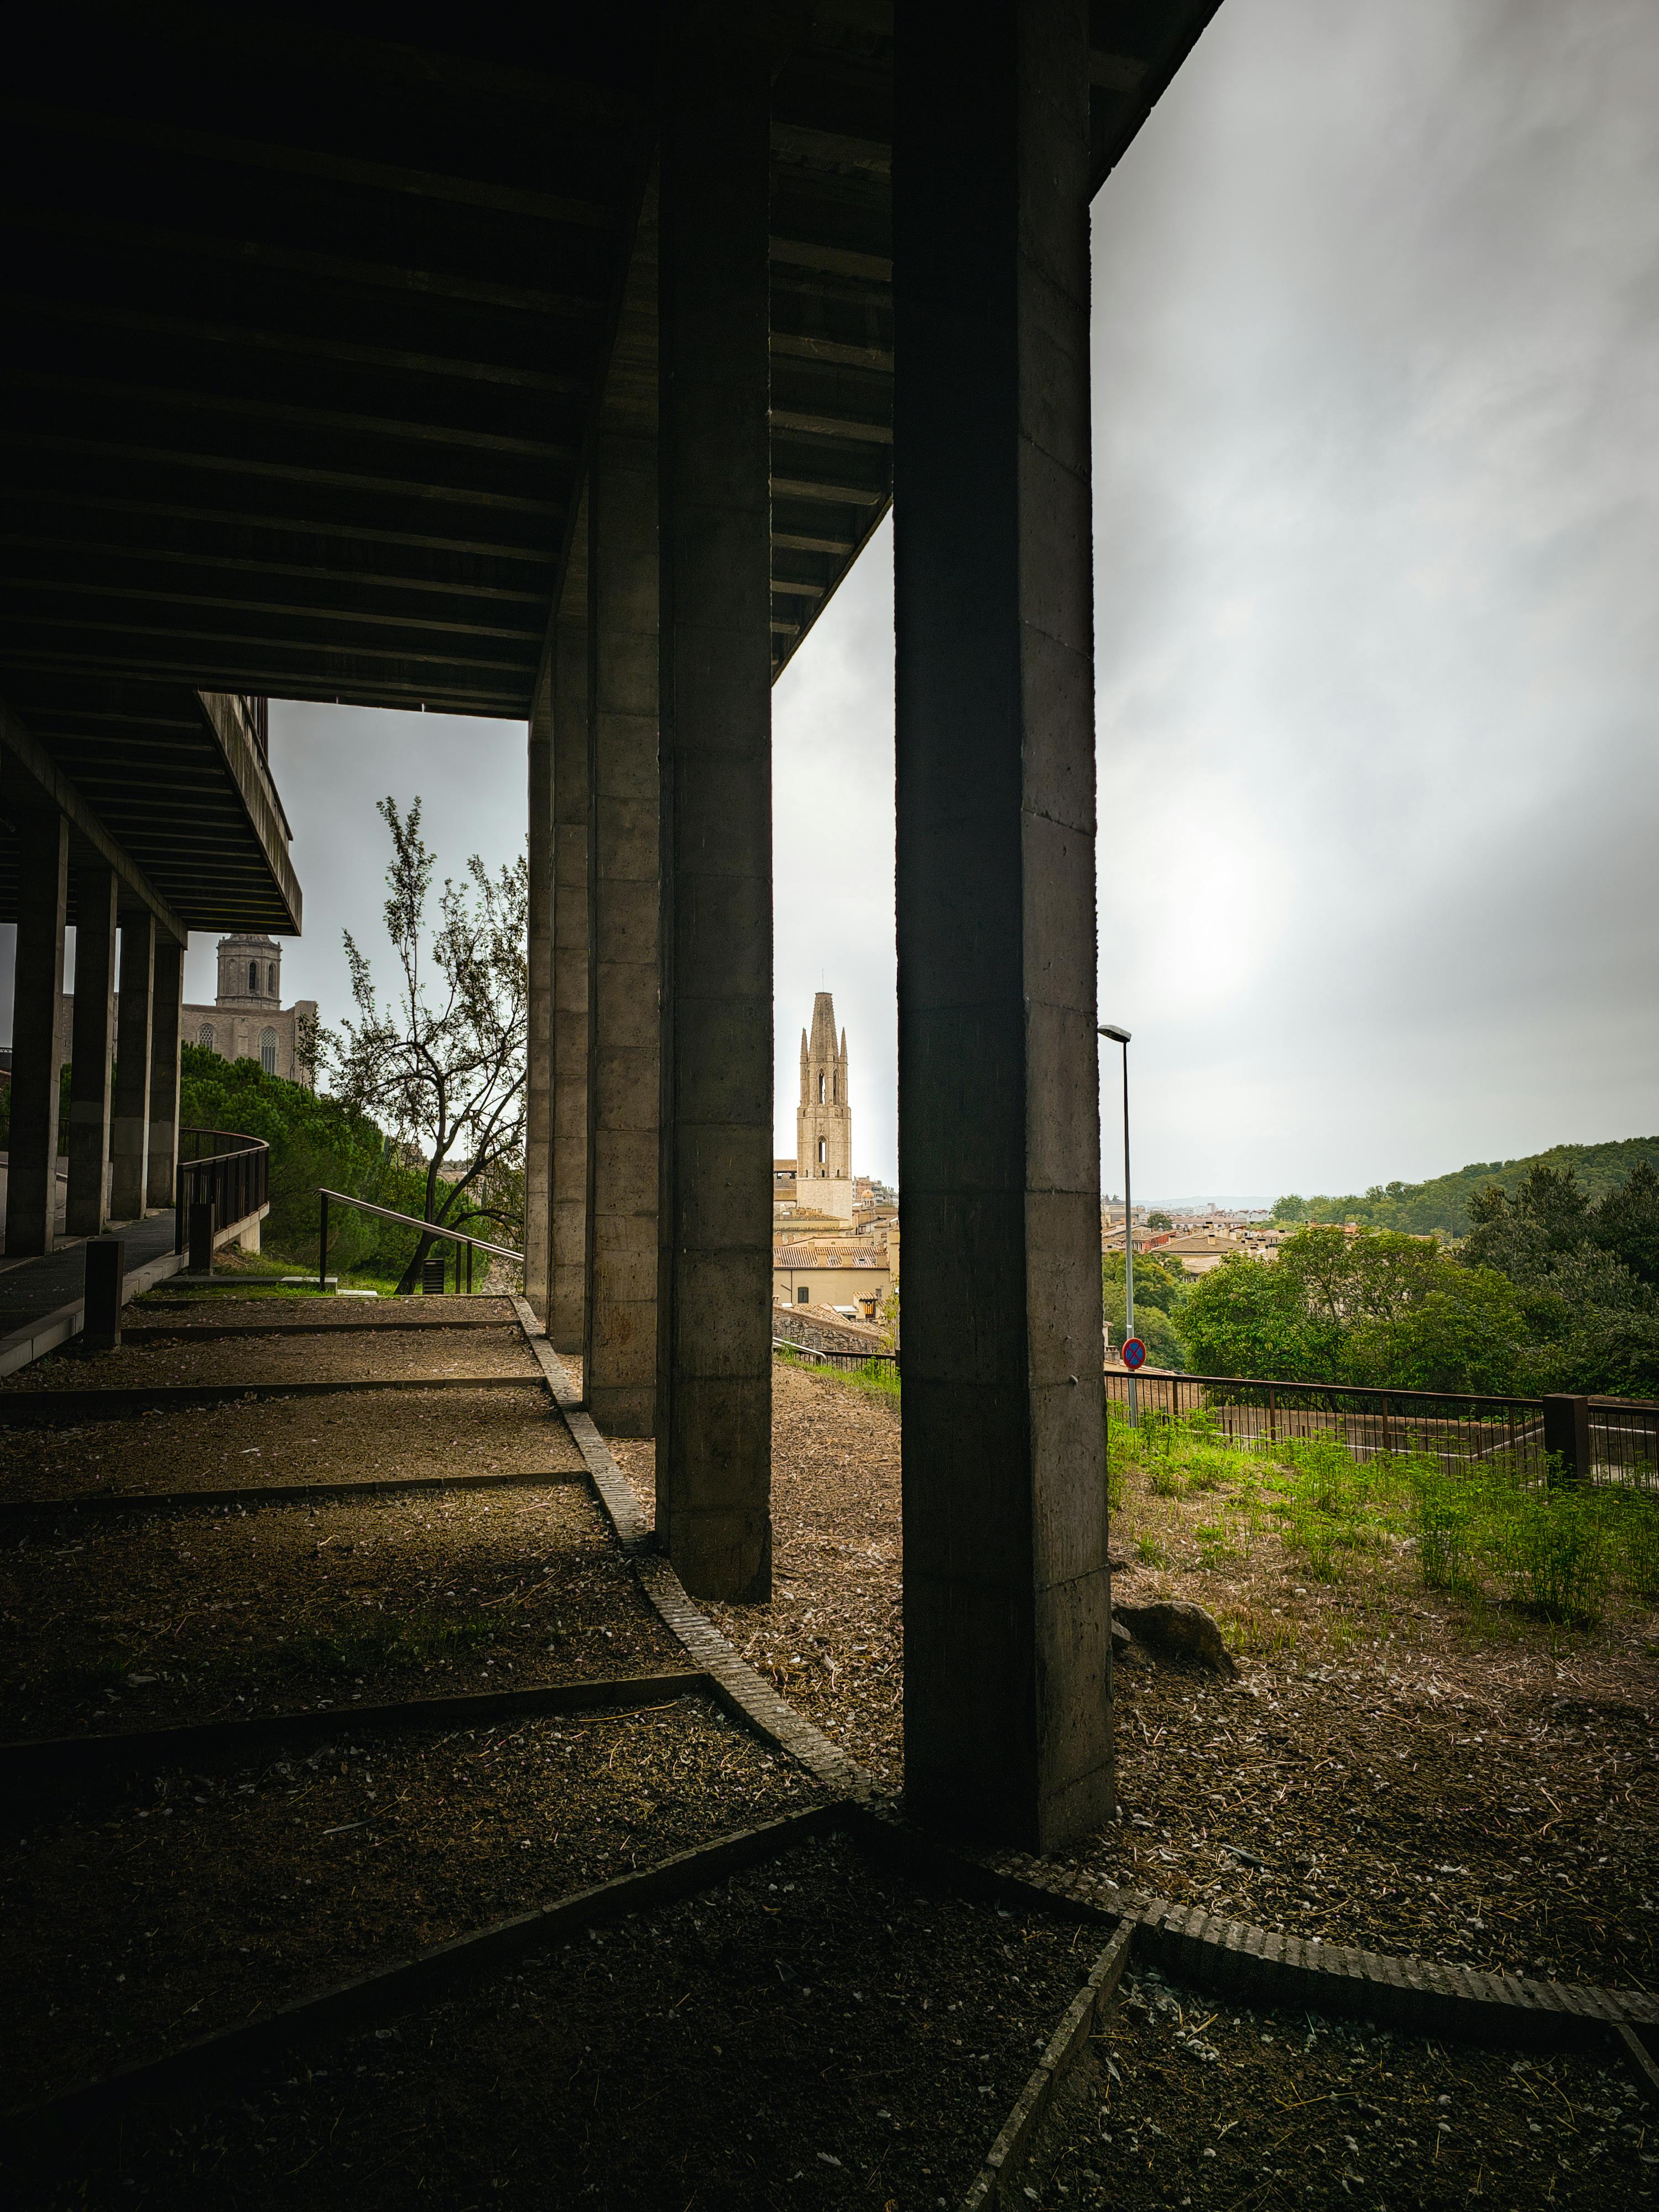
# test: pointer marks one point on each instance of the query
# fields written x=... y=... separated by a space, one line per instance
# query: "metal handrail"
x=1325 y=1389
x=408 y=1221
x=235 y=1180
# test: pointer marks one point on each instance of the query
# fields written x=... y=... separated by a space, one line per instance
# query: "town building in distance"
x=835 y=1233
x=247 y=1019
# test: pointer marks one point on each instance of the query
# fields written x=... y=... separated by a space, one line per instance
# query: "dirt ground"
x=380 y=1436
x=813 y=2034
x=1182 y=2101
x=265 y=1357
x=129 y=1923
x=831 y=1640
x=1425 y=1787
x=135 y=1623
x=183 y=1310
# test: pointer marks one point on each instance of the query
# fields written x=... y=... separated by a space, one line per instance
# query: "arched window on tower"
x=253 y=976
x=820 y=1090
x=268 y=1051
x=271 y=979
x=823 y=1155
x=204 y=1036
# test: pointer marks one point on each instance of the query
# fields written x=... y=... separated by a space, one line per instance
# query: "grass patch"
x=1492 y=1535
x=879 y=1376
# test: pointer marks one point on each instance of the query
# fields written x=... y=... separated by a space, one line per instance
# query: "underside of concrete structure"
x=557 y=367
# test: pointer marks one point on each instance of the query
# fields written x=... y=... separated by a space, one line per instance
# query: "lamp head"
x=1117 y=1035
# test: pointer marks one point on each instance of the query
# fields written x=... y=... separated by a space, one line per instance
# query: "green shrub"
x=1550 y=1551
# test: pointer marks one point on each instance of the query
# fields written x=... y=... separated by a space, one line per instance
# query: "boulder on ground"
x=1176 y=1625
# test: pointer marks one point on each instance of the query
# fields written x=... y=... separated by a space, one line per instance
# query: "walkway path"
x=40 y=1299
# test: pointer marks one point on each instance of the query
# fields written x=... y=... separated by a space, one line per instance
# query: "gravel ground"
x=1183 y=2102
x=1490 y=1812
x=264 y=1359
x=811 y=2034
x=207 y=1898
x=186 y=1309
x=379 y=1436
x=1490 y=1799
x=131 y=1624
x=831 y=1638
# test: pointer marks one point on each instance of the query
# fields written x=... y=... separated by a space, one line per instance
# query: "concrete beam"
x=42 y=910
x=539 y=1043
x=1007 y=1653
x=91 y=1049
x=567 y=1320
x=713 y=1462
x=166 y=1027
x=619 y=1377
x=36 y=785
x=130 y=1132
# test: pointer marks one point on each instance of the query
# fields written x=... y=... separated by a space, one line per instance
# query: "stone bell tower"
x=250 y=971
x=823 y=1119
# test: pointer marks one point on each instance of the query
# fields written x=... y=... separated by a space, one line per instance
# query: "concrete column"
x=538 y=1048
x=91 y=1049
x=1006 y=1599
x=713 y=1462
x=620 y=1353
x=134 y=1022
x=567 y=1320
x=42 y=910
x=166 y=1025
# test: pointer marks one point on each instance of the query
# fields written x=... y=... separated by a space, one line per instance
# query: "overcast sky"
x=1376 y=383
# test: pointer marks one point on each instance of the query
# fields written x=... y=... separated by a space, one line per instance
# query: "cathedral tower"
x=823 y=1119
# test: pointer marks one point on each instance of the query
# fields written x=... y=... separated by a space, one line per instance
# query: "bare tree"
x=440 y=1064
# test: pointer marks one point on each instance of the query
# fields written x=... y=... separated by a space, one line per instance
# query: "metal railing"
x=223 y=1167
x=1459 y=1428
x=849 y=1362
x=433 y=1229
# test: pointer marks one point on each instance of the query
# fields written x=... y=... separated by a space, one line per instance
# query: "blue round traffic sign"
x=1134 y=1354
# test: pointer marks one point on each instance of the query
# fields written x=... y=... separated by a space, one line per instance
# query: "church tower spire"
x=823 y=1119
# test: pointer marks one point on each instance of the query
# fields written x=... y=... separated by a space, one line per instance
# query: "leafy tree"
x=1587 y=1274
x=1159 y=1221
x=1159 y=1290
x=442 y=1060
x=1379 y=1309
x=1443 y=1206
x=315 y=1141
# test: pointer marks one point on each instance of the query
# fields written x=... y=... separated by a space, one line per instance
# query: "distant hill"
x=1443 y=1202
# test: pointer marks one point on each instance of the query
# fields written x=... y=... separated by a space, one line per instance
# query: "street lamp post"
x=1122 y=1036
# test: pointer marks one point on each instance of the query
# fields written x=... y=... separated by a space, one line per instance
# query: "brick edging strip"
x=40 y=1408
x=80 y=1759
x=1005 y=2160
x=1259 y=1965
x=733 y=1682
x=271 y=1493
x=1263 y=1965
x=427 y=1974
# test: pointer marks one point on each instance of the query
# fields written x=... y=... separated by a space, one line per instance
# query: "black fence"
x=849 y=1362
x=1594 y=1439
x=223 y=1168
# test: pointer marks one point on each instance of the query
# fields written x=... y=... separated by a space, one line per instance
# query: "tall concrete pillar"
x=130 y=1132
x=625 y=1058
x=566 y=1319
x=167 y=1026
x=1007 y=1646
x=714 y=1286
x=42 y=911
x=91 y=1049
x=539 y=1043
